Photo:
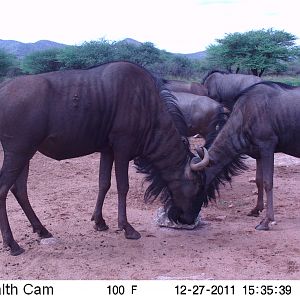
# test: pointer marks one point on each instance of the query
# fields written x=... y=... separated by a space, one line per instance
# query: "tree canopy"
x=256 y=51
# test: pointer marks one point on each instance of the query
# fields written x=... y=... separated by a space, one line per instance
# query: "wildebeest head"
x=179 y=188
x=173 y=173
x=188 y=194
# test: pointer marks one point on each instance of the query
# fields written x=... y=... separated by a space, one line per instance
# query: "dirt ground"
x=227 y=246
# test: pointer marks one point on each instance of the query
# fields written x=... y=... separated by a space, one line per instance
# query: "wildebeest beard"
x=158 y=188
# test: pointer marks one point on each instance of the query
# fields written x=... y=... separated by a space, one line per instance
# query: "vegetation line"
x=263 y=52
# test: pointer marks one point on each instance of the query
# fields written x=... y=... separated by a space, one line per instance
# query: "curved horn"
x=197 y=165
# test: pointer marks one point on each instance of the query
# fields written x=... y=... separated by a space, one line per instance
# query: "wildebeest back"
x=77 y=112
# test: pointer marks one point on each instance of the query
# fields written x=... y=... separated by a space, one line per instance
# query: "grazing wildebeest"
x=264 y=120
x=115 y=109
x=224 y=87
x=186 y=87
x=201 y=113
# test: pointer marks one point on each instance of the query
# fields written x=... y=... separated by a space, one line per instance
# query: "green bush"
x=42 y=61
x=7 y=62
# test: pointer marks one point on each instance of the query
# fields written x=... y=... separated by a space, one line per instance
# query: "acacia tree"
x=256 y=51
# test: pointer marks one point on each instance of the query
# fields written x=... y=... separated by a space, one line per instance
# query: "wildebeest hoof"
x=43 y=233
x=101 y=227
x=16 y=251
x=262 y=227
x=13 y=247
x=132 y=235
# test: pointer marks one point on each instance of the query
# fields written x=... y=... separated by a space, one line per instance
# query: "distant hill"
x=197 y=55
x=131 y=41
x=22 y=49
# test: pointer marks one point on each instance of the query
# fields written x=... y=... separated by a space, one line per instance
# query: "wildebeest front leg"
x=121 y=169
x=260 y=189
x=106 y=163
x=19 y=189
x=13 y=165
x=267 y=171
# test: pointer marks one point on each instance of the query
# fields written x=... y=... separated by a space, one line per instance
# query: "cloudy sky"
x=182 y=26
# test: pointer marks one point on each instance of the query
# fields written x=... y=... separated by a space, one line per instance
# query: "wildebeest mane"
x=212 y=72
x=158 y=186
x=273 y=84
x=172 y=107
x=234 y=168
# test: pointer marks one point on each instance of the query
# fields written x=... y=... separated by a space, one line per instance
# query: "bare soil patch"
x=63 y=195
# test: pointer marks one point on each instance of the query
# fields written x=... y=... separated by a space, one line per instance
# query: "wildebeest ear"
x=185 y=140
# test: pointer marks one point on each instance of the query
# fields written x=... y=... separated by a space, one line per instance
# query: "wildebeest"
x=186 y=87
x=264 y=120
x=224 y=87
x=201 y=113
x=115 y=109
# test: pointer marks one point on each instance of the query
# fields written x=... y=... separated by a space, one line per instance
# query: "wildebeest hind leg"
x=121 y=169
x=260 y=189
x=19 y=189
x=106 y=163
x=267 y=170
